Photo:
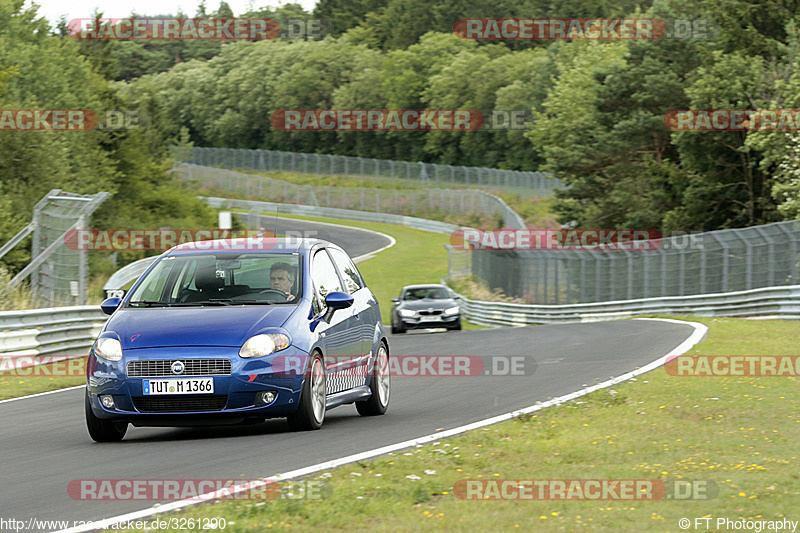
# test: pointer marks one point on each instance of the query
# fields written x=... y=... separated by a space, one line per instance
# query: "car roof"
x=279 y=245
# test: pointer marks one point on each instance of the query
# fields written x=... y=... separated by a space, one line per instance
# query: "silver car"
x=425 y=306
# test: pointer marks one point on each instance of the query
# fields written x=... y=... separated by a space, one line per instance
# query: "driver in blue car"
x=281 y=277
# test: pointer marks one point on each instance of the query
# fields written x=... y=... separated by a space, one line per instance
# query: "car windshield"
x=430 y=293
x=221 y=279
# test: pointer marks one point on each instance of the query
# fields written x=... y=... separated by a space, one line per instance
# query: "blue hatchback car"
x=238 y=331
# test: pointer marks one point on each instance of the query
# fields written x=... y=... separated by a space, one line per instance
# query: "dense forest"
x=596 y=107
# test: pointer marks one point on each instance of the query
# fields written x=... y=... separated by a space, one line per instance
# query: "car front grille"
x=433 y=312
x=150 y=404
x=192 y=367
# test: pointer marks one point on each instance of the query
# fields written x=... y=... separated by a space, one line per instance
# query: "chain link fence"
x=430 y=174
x=426 y=203
x=248 y=185
x=685 y=265
x=58 y=273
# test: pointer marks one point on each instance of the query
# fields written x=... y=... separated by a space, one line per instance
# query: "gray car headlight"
x=264 y=344
x=451 y=310
x=108 y=348
x=407 y=312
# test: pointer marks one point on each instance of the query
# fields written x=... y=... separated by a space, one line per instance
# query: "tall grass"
x=17 y=298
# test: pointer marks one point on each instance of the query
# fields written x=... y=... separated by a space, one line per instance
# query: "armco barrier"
x=72 y=330
x=771 y=302
x=380 y=201
x=55 y=330
x=331 y=212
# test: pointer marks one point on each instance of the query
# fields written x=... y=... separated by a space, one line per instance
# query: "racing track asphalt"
x=354 y=241
x=45 y=443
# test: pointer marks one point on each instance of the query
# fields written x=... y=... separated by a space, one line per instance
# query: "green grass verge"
x=740 y=433
x=41 y=379
x=323 y=180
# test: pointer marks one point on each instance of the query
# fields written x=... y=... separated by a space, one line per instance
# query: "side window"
x=326 y=280
x=352 y=279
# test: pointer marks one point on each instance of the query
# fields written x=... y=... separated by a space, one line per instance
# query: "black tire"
x=309 y=416
x=398 y=329
x=457 y=326
x=380 y=385
x=103 y=430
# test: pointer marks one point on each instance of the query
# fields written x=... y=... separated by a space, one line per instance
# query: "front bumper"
x=233 y=399
x=434 y=321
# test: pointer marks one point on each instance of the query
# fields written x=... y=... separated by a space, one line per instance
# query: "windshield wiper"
x=150 y=303
x=229 y=301
x=153 y=303
x=212 y=301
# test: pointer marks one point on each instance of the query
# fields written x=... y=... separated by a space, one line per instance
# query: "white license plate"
x=435 y=318
x=153 y=387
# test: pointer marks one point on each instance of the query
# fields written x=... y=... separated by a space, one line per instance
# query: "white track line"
x=360 y=258
x=43 y=393
x=697 y=335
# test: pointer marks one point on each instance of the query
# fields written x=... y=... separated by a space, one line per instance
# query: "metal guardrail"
x=72 y=330
x=771 y=302
x=55 y=330
x=409 y=202
x=256 y=207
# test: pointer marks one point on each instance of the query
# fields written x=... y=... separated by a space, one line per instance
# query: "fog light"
x=107 y=400
x=266 y=397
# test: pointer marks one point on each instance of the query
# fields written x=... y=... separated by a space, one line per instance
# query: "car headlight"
x=108 y=348
x=407 y=312
x=451 y=310
x=264 y=344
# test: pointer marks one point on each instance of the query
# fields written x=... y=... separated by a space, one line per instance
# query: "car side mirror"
x=110 y=305
x=456 y=297
x=337 y=300
x=395 y=300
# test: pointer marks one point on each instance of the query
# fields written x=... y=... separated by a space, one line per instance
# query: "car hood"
x=417 y=305
x=194 y=326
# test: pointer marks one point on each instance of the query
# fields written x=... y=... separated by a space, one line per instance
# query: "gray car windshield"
x=430 y=293
x=221 y=279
